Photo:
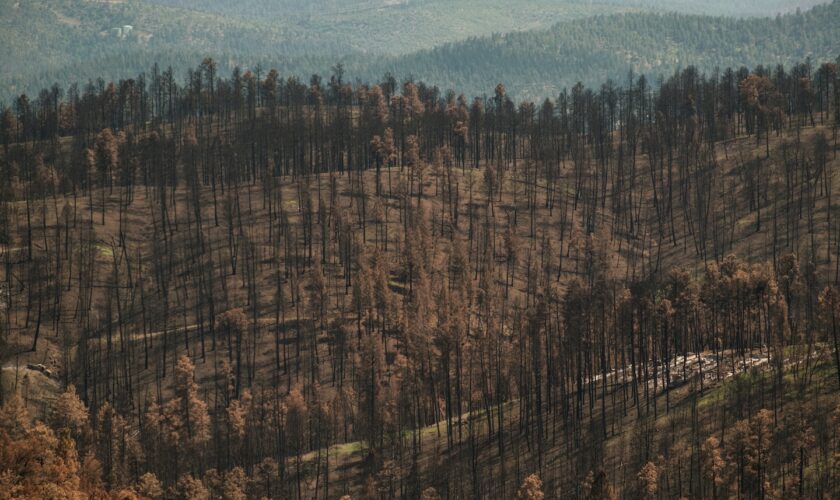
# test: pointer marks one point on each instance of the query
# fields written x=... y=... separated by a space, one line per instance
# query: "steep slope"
x=433 y=306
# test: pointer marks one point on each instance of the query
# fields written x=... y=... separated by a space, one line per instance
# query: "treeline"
x=239 y=273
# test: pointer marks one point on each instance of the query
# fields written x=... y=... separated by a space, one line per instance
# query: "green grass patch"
x=396 y=284
x=104 y=250
x=822 y=373
x=739 y=382
x=337 y=450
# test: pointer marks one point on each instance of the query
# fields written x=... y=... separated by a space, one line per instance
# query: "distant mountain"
x=542 y=62
x=325 y=11
x=55 y=39
x=62 y=40
x=553 y=44
x=397 y=27
x=734 y=8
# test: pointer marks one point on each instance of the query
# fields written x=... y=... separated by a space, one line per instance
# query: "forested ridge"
x=308 y=9
x=76 y=40
x=541 y=63
x=247 y=285
x=445 y=43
